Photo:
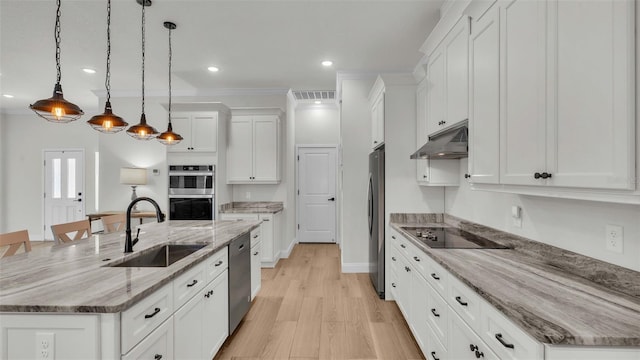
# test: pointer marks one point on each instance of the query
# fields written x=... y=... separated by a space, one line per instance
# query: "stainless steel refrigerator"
x=376 y=220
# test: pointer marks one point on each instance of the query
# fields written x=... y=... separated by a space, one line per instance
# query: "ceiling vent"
x=312 y=95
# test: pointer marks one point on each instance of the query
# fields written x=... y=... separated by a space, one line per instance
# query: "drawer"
x=435 y=349
x=437 y=277
x=438 y=315
x=418 y=259
x=393 y=257
x=216 y=264
x=158 y=345
x=255 y=236
x=505 y=338
x=188 y=284
x=139 y=320
x=465 y=302
x=401 y=242
x=232 y=216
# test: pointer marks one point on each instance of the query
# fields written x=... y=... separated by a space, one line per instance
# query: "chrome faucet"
x=128 y=243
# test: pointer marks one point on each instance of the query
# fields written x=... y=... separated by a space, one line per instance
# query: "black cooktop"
x=450 y=238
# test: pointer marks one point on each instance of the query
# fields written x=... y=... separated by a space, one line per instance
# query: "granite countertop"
x=556 y=296
x=73 y=277
x=252 y=207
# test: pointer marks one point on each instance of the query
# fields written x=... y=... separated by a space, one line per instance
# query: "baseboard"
x=355 y=267
x=284 y=254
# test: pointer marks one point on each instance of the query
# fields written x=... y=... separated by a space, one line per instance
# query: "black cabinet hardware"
x=424 y=176
x=393 y=237
x=433 y=275
x=157 y=357
x=266 y=220
x=208 y=294
x=331 y=199
x=218 y=263
x=545 y=175
x=479 y=354
x=403 y=246
x=255 y=236
x=467 y=176
x=473 y=347
x=407 y=269
x=504 y=343
x=393 y=284
x=416 y=258
x=375 y=142
x=393 y=258
x=155 y=312
x=255 y=253
x=193 y=283
x=433 y=311
x=537 y=175
x=433 y=355
x=459 y=300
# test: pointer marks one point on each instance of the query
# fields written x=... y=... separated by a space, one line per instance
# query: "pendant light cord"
x=143 y=6
x=57 y=38
x=170 y=55
x=107 y=81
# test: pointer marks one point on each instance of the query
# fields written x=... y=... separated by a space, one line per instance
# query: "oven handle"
x=190 y=196
x=186 y=173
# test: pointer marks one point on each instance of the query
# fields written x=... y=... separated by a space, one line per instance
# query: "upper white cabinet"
x=448 y=79
x=198 y=129
x=253 y=150
x=376 y=99
x=567 y=93
x=484 y=101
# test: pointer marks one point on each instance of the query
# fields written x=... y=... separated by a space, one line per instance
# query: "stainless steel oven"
x=191 y=192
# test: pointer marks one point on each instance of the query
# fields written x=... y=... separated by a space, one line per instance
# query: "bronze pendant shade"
x=169 y=137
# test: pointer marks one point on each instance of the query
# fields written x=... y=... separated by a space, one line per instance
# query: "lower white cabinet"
x=158 y=345
x=215 y=317
x=270 y=234
x=256 y=256
x=464 y=343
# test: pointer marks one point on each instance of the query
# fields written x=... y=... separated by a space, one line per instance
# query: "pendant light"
x=169 y=137
x=142 y=131
x=107 y=122
x=56 y=108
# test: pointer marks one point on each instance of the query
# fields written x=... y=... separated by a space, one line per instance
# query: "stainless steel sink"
x=161 y=256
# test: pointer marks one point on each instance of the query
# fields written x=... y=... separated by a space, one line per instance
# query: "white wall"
x=575 y=225
x=24 y=137
x=3 y=191
x=317 y=124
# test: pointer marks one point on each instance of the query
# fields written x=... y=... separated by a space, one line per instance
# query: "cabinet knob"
x=537 y=175
x=467 y=176
x=545 y=175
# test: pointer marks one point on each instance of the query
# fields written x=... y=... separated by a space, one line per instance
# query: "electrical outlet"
x=614 y=238
x=516 y=216
x=45 y=349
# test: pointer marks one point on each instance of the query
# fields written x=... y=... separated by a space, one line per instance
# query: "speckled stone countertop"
x=252 y=207
x=73 y=277
x=556 y=296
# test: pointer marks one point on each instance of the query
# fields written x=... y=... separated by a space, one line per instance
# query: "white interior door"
x=63 y=188
x=317 y=194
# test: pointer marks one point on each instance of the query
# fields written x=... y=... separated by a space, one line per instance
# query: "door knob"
x=332 y=199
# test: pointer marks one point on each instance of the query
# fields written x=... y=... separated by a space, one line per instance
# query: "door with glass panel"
x=63 y=188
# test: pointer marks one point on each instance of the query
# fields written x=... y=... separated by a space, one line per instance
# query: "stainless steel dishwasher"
x=239 y=280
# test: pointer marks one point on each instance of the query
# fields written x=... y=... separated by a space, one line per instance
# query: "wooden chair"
x=14 y=240
x=113 y=223
x=81 y=228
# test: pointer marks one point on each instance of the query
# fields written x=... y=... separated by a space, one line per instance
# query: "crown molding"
x=194 y=92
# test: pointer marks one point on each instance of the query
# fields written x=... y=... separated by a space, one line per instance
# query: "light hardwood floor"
x=308 y=309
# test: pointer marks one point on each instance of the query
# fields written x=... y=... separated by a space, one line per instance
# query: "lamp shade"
x=133 y=176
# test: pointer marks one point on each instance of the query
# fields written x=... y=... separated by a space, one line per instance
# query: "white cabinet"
x=448 y=79
x=567 y=94
x=270 y=234
x=158 y=345
x=198 y=129
x=188 y=325
x=431 y=172
x=253 y=152
x=484 y=101
x=465 y=344
x=256 y=256
x=376 y=100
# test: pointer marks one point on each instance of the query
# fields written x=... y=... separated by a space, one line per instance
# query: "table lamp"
x=133 y=177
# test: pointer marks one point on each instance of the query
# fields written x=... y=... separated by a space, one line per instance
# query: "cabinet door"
x=240 y=150
x=484 y=108
x=256 y=265
x=266 y=232
x=215 y=316
x=419 y=310
x=462 y=340
x=158 y=345
x=404 y=287
x=456 y=50
x=181 y=124
x=204 y=132
x=435 y=91
x=591 y=113
x=187 y=324
x=265 y=157
x=522 y=91
x=422 y=166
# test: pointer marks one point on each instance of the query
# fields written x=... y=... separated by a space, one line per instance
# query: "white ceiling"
x=259 y=44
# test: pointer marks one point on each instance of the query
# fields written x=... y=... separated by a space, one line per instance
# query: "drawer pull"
x=505 y=344
x=157 y=357
x=473 y=347
x=255 y=236
x=256 y=253
x=433 y=311
x=416 y=258
x=393 y=284
x=193 y=283
x=479 y=354
x=393 y=237
x=435 y=276
x=218 y=263
x=155 y=312
x=459 y=300
x=393 y=258
x=403 y=246
x=433 y=355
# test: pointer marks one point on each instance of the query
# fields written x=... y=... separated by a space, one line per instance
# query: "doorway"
x=316 y=202
x=63 y=188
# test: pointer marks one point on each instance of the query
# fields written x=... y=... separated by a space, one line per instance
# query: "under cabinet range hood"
x=449 y=143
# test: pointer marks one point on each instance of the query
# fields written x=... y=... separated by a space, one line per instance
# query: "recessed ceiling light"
x=327 y=63
x=89 y=71
x=318 y=102
x=8 y=96
x=213 y=69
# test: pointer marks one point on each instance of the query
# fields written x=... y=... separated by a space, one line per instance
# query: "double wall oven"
x=191 y=192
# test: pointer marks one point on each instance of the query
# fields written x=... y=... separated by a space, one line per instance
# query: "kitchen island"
x=69 y=301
